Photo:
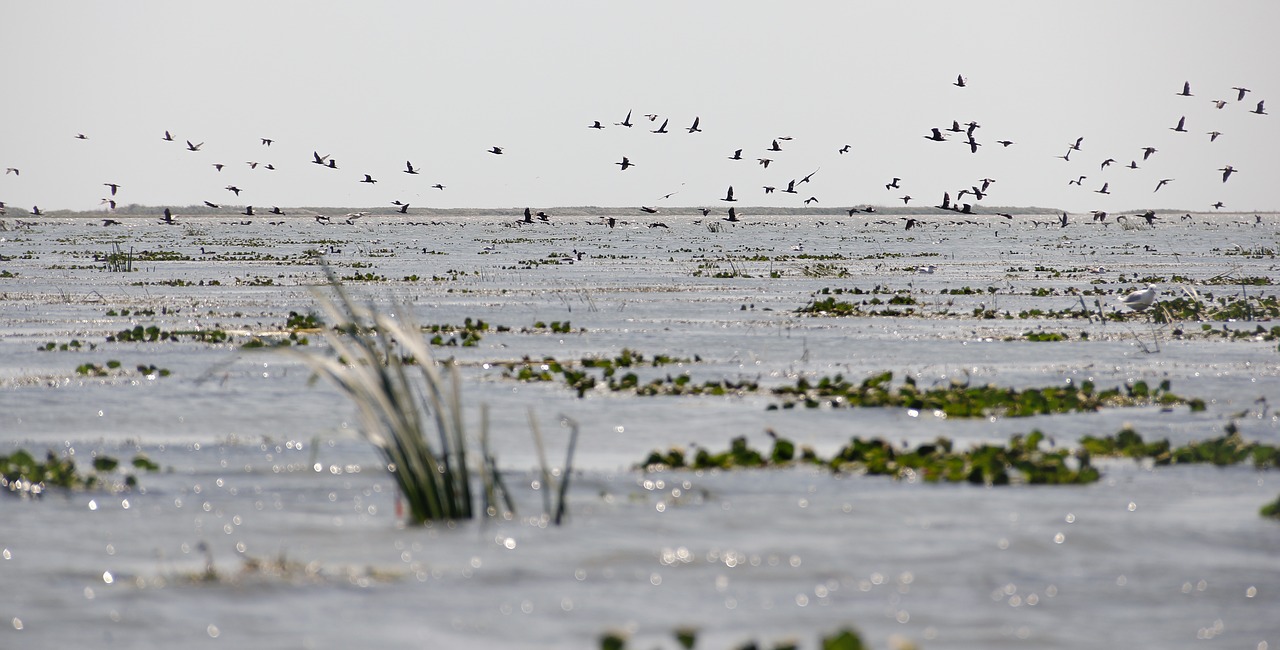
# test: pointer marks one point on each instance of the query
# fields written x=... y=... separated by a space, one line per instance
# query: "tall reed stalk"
x=384 y=364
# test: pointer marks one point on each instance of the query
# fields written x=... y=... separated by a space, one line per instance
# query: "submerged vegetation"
x=844 y=639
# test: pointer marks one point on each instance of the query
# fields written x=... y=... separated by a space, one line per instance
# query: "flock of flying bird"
x=978 y=189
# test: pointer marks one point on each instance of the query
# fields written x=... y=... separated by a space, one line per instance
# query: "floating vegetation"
x=467 y=335
x=1186 y=308
x=1025 y=459
x=152 y=334
x=582 y=381
x=1228 y=449
x=959 y=399
x=22 y=474
x=1048 y=336
x=74 y=345
x=1271 y=509
x=844 y=639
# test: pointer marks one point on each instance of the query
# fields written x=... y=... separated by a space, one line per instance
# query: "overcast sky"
x=376 y=84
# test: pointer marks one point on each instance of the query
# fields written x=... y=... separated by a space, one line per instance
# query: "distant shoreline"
x=262 y=212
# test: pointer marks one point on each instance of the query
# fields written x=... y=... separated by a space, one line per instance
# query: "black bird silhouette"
x=168 y=137
x=729 y=195
x=906 y=199
x=276 y=210
x=774 y=147
x=1161 y=184
x=812 y=199
x=1226 y=172
x=252 y=165
x=737 y=155
x=248 y=210
x=35 y=209
x=946 y=202
x=212 y=205
x=266 y=142
x=1104 y=189
x=113 y=186
x=625 y=163
x=892 y=184
x=733 y=216
x=1133 y=164
x=661 y=129
x=768 y=189
x=1240 y=90
x=653 y=117
x=705 y=211
x=111 y=205
x=959 y=82
x=694 y=128
x=1005 y=142
x=168 y=216
x=973 y=145
x=333 y=164
x=627 y=122
x=1077 y=181
x=764 y=162
x=409 y=168
x=1219 y=205
x=1181 y=121
x=1186 y=89
x=81 y=136
x=528 y=216
x=1106 y=162
x=596 y=125
x=1213 y=135
x=404 y=209
x=1259 y=110
x=936 y=136
x=791 y=187
x=397 y=202
x=194 y=147
x=844 y=149
x=809 y=176
x=368 y=179
x=911 y=223
x=1063 y=220
x=645 y=208
x=1076 y=146
x=1219 y=103
x=955 y=127
x=317 y=158
x=110 y=222
x=496 y=150
x=1147 y=151
x=13 y=170
x=233 y=188
x=438 y=186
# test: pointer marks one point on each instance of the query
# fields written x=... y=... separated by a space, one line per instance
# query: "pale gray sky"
x=376 y=84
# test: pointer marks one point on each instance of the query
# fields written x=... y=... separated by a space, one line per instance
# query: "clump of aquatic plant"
x=582 y=380
x=1228 y=449
x=22 y=474
x=153 y=334
x=384 y=364
x=1271 y=509
x=959 y=399
x=843 y=639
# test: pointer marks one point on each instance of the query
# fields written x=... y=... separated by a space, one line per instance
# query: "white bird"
x=1140 y=300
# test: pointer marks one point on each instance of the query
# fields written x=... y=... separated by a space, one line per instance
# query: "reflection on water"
x=270 y=525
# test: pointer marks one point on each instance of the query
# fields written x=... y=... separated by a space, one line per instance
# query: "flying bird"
x=694 y=128
x=1104 y=189
x=317 y=158
x=496 y=150
x=212 y=205
x=806 y=178
x=233 y=188
x=1078 y=181
x=12 y=170
x=596 y=125
x=1106 y=162
x=1076 y=146
x=1186 y=89
x=1162 y=183
x=625 y=163
x=1259 y=110
x=936 y=136
x=1219 y=103
x=1213 y=135
x=892 y=184
x=409 y=168
x=1240 y=90
x=248 y=211
x=266 y=142
x=111 y=205
x=438 y=186
x=626 y=122
x=959 y=82
x=733 y=216
x=1147 y=151
x=167 y=137
x=775 y=147
x=218 y=166
x=906 y=199
x=661 y=129
x=973 y=145
x=404 y=209
x=113 y=186
x=276 y=210
x=649 y=210
x=1181 y=121
x=844 y=149
x=81 y=136
x=1005 y=142
x=194 y=147
x=737 y=155
x=1226 y=172
x=368 y=179
x=791 y=187
x=729 y=195
x=764 y=161
x=168 y=216
x=1219 y=205
x=812 y=199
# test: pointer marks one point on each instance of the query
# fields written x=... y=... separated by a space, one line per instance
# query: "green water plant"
x=687 y=637
x=22 y=474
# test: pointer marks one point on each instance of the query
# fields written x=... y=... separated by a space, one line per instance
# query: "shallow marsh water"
x=1147 y=557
